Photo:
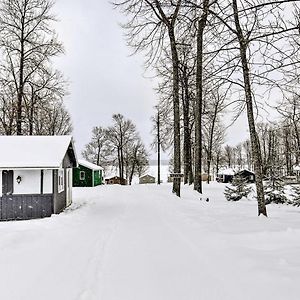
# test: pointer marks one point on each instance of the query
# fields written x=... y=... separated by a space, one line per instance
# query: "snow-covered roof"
x=89 y=165
x=147 y=175
x=245 y=170
x=228 y=171
x=41 y=152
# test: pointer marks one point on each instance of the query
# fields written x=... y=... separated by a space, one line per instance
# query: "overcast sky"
x=104 y=78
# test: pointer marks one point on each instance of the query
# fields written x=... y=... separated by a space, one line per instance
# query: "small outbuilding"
x=247 y=175
x=146 y=179
x=35 y=175
x=87 y=174
x=225 y=175
x=116 y=180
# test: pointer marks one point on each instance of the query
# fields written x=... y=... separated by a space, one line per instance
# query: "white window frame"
x=80 y=175
x=61 y=180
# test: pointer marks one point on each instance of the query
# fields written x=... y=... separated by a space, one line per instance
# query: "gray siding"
x=59 y=199
x=24 y=207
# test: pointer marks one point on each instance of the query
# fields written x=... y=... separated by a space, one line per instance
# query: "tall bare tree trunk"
x=298 y=140
x=210 y=143
x=21 y=81
x=98 y=154
x=119 y=163
x=31 y=113
x=187 y=152
x=199 y=98
x=158 y=147
x=176 y=111
x=256 y=151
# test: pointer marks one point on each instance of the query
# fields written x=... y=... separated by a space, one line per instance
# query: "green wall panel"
x=87 y=181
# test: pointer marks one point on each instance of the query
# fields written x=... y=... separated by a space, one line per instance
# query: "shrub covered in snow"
x=274 y=190
x=295 y=196
x=238 y=189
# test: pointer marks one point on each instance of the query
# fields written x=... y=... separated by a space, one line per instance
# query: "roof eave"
x=31 y=168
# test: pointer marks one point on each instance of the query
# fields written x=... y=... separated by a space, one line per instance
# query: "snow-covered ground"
x=141 y=242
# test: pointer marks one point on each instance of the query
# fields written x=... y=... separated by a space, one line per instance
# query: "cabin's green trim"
x=97 y=177
x=92 y=177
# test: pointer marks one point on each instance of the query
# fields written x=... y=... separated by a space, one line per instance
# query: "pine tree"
x=274 y=190
x=237 y=189
x=296 y=196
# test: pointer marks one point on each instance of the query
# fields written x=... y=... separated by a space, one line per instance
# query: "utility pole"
x=158 y=146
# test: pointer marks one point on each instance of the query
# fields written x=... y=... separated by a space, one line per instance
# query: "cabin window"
x=61 y=180
x=82 y=175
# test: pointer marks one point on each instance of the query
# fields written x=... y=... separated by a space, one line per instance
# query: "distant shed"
x=116 y=180
x=87 y=174
x=146 y=179
x=246 y=174
x=225 y=175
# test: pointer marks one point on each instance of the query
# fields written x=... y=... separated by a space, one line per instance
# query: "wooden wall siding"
x=25 y=207
x=87 y=181
x=60 y=199
x=97 y=177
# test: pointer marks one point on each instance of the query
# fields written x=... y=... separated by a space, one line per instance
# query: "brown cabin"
x=116 y=180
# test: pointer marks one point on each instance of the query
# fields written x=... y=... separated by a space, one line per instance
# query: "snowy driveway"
x=141 y=242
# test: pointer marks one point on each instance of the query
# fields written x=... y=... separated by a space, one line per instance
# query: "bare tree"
x=46 y=88
x=187 y=84
x=136 y=159
x=28 y=42
x=213 y=131
x=201 y=22
x=159 y=143
x=252 y=34
x=289 y=108
x=151 y=20
x=120 y=134
x=228 y=154
x=7 y=108
x=96 y=150
x=247 y=150
x=52 y=118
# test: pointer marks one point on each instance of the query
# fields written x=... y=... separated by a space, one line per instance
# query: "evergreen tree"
x=296 y=196
x=237 y=189
x=274 y=190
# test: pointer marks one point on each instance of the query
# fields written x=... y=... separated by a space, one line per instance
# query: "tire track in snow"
x=155 y=256
x=93 y=272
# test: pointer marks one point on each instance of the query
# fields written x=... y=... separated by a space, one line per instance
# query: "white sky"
x=104 y=78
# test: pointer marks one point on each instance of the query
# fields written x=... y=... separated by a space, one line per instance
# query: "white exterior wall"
x=48 y=188
x=30 y=183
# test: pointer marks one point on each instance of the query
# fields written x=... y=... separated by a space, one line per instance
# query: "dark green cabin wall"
x=88 y=181
x=97 y=178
